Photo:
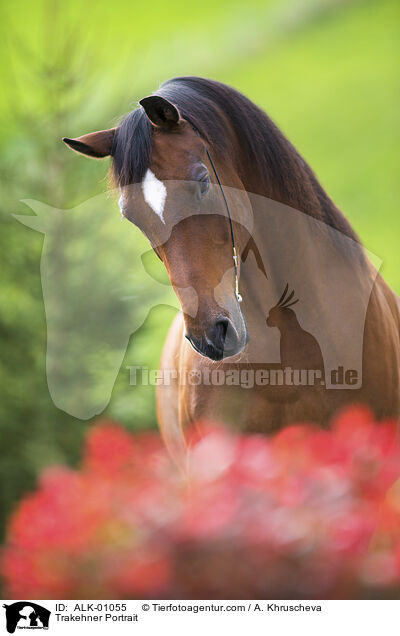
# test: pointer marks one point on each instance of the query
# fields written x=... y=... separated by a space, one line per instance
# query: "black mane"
x=234 y=127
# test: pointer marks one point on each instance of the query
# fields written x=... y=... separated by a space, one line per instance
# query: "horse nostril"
x=221 y=328
x=220 y=341
x=223 y=336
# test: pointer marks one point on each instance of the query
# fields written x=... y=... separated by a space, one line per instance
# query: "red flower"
x=304 y=513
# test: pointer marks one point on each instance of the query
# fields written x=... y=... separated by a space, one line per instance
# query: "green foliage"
x=325 y=71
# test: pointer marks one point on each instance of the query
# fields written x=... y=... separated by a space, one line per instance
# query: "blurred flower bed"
x=303 y=514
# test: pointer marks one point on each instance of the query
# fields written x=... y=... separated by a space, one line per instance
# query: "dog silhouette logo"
x=26 y=615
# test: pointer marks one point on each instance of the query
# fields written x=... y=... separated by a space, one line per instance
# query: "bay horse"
x=211 y=139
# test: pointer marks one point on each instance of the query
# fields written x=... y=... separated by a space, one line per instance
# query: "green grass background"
x=325 y=70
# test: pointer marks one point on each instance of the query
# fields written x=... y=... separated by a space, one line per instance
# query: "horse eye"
x=204 y=185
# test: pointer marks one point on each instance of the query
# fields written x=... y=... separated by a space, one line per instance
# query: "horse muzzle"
x=220 y=341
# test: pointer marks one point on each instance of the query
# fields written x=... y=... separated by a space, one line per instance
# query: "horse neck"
x=274 y=169
x=312 y=201
x=269 y=166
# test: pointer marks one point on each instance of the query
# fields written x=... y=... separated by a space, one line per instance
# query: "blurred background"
x=325 y=70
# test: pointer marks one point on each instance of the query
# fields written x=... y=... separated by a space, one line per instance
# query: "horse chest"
x=256 y=409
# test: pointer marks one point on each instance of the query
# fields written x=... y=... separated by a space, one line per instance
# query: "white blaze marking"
x=155 y=193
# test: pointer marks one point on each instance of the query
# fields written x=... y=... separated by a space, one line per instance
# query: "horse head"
x=171 y=189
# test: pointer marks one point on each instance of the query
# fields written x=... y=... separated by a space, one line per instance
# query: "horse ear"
x=96 y=144
x=160 y=111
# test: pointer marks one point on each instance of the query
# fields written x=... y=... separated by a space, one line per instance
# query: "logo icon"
x=299 y=349
x=26 y=615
